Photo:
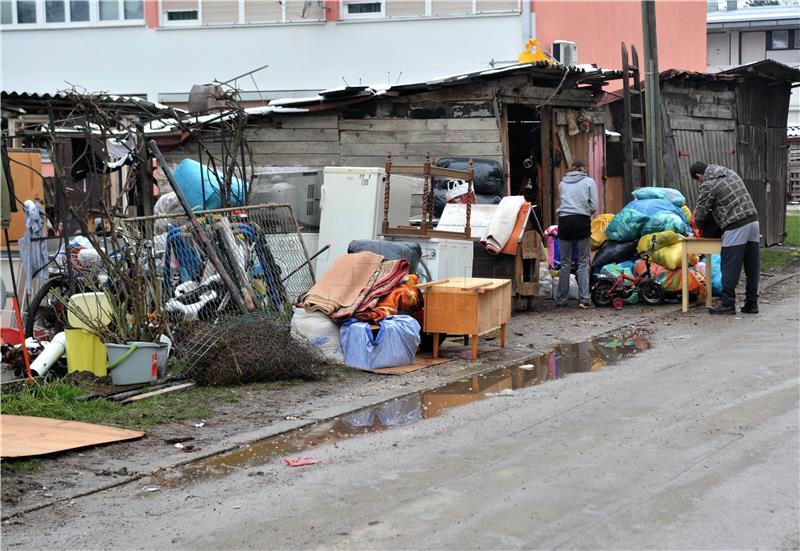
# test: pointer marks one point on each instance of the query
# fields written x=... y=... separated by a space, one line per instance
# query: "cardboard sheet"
x=454 y=218
x=422 y=362
x=22 y=436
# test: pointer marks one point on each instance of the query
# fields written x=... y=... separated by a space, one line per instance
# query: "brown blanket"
x=343 y=283
x=388 y=276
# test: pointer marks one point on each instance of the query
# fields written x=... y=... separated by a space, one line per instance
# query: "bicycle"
x=609 y=290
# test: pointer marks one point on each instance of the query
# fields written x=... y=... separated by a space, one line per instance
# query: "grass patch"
x=57 y=399
x=772 y=259
x=792 y=230
x=20 y=466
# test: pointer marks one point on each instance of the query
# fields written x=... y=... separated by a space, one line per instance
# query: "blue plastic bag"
x=666 y=193
x=395 y=344
x=188 y=176
x=666 y=221
x=716 y=274
x=628 y=224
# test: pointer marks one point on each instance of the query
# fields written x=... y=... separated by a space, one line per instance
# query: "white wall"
x=754 y=47
x=135 y=60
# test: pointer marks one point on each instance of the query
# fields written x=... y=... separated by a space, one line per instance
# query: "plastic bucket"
x=85 y=352
x=133 y=363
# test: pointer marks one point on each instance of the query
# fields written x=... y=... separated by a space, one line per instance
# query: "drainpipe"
x=527 y=28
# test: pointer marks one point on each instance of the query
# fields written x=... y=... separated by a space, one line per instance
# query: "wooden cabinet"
x=467 y=306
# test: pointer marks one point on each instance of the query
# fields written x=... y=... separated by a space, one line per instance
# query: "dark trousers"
x=732 y=259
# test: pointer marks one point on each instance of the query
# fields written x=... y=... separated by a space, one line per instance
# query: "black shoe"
x=723 y=311
x=750 y=308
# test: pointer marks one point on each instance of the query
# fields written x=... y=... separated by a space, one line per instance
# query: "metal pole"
x=198 y=231
x=653 y=126
x=61 y=198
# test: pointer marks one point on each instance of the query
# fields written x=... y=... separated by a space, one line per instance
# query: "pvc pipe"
x=50 y=355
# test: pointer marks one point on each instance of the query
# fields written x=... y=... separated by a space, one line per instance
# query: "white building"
x=740 y=35
x=160 y=48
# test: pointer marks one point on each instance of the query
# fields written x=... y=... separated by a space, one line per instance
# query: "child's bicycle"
x=610 y=290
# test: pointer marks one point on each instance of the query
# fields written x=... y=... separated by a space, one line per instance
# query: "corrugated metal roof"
x=15 y=97
x=768 y=68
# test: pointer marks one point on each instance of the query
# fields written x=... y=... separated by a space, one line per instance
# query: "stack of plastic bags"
x=654 y=224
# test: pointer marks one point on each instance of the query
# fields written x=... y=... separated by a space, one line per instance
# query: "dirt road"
x=690 y=444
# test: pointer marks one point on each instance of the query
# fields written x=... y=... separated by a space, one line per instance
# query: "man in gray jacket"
x=724 y=196
x=577 y=202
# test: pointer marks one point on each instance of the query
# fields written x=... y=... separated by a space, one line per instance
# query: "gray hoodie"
x=578 y=194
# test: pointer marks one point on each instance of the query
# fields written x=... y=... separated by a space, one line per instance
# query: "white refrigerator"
x=351 y=206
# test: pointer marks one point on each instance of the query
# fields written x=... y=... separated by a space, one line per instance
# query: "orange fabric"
x=519 y=227
x=404 y=297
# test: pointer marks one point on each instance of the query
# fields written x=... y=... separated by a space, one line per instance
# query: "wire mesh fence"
x=259 y=247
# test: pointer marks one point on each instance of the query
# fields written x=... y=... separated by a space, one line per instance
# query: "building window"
x=26 y=11
x=79 y=10
x=783 y=40
x=54 y=11
x=6 y=14
x=44 y=13
x=356 y=9
x=180 y=12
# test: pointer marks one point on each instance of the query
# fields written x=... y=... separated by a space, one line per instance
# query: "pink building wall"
x=598 y=27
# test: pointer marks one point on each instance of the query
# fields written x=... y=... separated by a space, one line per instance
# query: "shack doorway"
x=525 y=153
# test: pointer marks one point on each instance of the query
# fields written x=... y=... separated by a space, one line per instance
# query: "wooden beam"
x=175 y=388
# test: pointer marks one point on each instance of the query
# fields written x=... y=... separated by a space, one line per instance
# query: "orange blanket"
x=519 y=227
x=404 y=297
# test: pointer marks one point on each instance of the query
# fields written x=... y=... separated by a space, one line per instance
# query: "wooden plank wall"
x=588 y=147
x=332 y=140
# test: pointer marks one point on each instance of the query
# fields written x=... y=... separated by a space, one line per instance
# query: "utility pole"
x=653 y=123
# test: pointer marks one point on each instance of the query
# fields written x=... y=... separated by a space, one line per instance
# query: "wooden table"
x=697 y=245
x=468 y=306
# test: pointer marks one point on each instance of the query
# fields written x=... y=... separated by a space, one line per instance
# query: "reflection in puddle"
x=581 y=357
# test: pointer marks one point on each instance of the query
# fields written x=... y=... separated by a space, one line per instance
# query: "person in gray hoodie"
x=577 y=202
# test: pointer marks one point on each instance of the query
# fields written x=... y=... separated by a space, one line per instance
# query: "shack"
x=531 y=118
x=737 y=119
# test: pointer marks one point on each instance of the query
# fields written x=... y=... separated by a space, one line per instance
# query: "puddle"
x=580 y=357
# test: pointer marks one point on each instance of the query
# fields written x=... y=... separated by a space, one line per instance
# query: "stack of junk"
x=653 y=224
x=365 y=311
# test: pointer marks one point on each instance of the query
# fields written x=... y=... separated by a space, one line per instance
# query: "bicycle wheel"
x=47 y=315
x=423 y=272
x=651 y=292
x=600 y=296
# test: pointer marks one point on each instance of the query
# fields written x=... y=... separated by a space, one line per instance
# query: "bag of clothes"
x=394 y=343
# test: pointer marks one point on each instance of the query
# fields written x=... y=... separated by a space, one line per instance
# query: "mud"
x=264 y=411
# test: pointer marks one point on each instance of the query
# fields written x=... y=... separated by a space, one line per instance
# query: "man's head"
x=697 y=171
x=578 y=166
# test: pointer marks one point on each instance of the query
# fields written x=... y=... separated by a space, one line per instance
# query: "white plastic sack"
x=573 y=287
x=545 y=281
x=320 y=332
x=395 y=344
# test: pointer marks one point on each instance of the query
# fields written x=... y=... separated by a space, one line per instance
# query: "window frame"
x=360 y=16
x=68 y=23
x=792 y=41
x=165 y=22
